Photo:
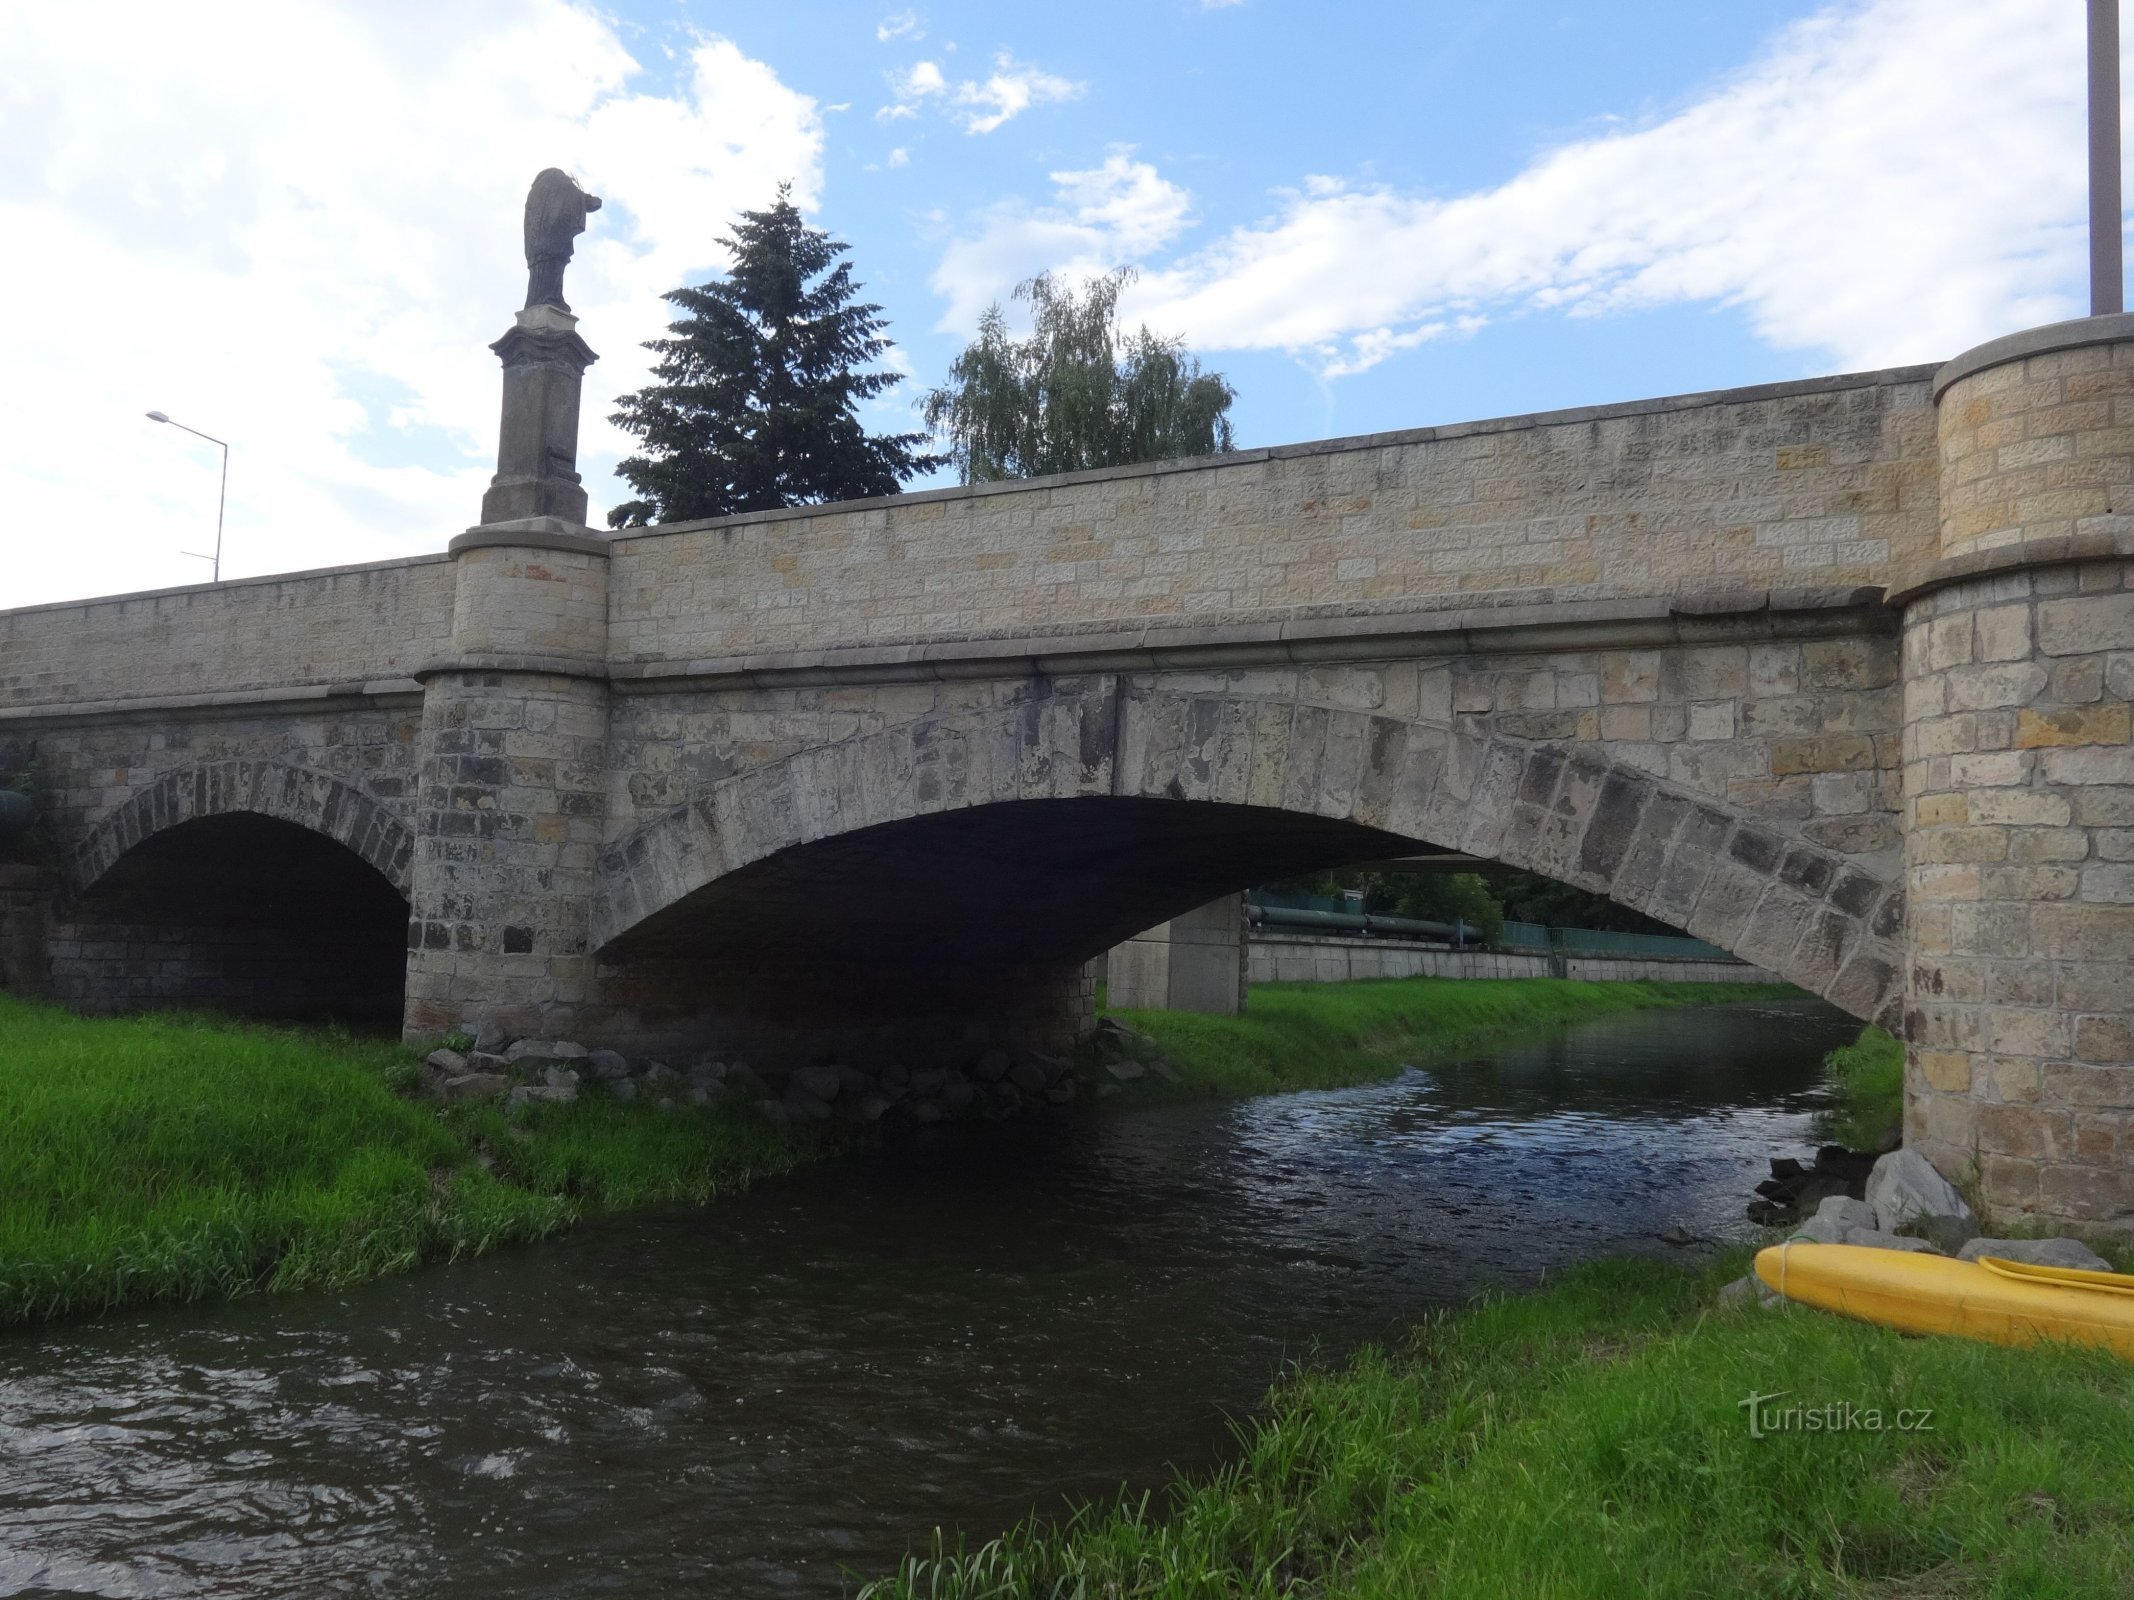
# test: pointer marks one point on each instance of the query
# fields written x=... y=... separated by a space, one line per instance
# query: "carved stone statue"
x=556 y=209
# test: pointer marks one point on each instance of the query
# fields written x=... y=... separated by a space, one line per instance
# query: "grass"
x=185 y=1157
x=1868 y=1075
x=1588 y=1439
x=1329 y=1035
x=176 y=1157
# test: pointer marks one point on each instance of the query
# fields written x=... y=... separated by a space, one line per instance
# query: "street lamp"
x=221 y=495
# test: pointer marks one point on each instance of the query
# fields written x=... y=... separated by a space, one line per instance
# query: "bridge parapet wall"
x=1822 y=483
x=340 y=626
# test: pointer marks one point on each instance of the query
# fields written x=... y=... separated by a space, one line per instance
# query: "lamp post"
x=221 y=495
x=2107 y=271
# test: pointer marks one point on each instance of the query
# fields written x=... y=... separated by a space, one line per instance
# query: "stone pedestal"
x=536 y=485
x=1194 y=962
x=2019 y=782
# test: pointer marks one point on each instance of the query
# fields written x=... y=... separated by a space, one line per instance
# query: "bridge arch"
x=1259 y=787
x=308 y=798
x=254 y=887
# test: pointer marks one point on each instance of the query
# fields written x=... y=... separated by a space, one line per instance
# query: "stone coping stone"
x=2094 y=543
x=2074 y=334
x=235 y=701
x=301 y=575
x=1652 y=621
x=531 y=533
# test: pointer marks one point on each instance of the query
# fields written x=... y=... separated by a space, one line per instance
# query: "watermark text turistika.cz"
x=1767 y=1417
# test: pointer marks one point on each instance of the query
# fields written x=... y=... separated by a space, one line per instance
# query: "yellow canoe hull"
x=2003 y=1302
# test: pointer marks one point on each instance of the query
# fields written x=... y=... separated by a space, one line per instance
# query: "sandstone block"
x=1947 y=1071
x=1837 y=753
x=2094 y=622
x=2107 y=723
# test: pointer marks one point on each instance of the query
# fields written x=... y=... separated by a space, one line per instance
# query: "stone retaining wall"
x=1279 y=958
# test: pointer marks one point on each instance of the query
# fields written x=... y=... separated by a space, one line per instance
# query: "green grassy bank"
x=175 y=1157
x=182 y=1158
x=1329 y=1035
x=1868 y=1075
x=1589 y=1439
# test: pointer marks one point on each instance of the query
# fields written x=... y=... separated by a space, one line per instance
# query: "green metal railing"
x=1523 y=937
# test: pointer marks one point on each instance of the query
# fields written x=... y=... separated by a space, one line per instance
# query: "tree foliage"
x=758 y=384
x=1078 y=392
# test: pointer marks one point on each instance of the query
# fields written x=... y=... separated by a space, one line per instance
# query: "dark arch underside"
x=243 y=913
x=970 y=894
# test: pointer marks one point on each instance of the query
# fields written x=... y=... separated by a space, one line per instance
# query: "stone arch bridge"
x=1835 y=674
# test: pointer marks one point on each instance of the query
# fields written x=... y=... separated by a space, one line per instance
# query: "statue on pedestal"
x=556 y=209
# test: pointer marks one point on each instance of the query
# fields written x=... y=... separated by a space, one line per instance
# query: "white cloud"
x=979 y=105
x=899 y=157
x=899 y=25
x=308 y=263
x=1100 y=218
x=1890 y=181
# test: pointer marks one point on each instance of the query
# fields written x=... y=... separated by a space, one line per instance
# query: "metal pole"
x=222 y=495
x=2107 y=269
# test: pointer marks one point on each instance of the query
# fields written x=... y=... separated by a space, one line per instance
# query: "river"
x=764 y=1396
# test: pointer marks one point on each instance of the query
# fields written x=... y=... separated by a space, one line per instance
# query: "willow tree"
x=1078 y=392
x=758 y=384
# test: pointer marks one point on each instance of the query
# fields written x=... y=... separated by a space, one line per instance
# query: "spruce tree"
x=1078 y=392
x=755 y=406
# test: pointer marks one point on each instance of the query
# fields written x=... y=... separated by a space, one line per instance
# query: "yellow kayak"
x=2003 y=1302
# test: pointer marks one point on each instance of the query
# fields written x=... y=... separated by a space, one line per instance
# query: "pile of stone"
x=1904 y=1204
x=524 y=1071
x=994 y=1085
x=1794 y=1189
x=1119 y=1056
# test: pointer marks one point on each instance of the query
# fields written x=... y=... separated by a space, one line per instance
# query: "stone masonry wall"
x=1793 y=721
x=1829 y=482
x=2038 y=450
x=88 y=769
x=2020 y=776
x=2019 y=781
x=1281 y=957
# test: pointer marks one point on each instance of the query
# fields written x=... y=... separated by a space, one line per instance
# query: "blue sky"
x=1236 y=101
x=293 y=223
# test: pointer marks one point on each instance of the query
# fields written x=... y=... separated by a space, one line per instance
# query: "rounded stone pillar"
x=2019 y=781
x=513 y=791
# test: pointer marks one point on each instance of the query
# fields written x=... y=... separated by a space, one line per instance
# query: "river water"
x=768 y=1395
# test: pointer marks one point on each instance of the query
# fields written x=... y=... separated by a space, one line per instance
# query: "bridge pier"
x=1197 y=961
x=2019 y=780
x=512 y=797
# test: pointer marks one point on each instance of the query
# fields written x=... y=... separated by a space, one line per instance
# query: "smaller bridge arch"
x=256 y=887
x=308 y=798
x=1288 y=784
